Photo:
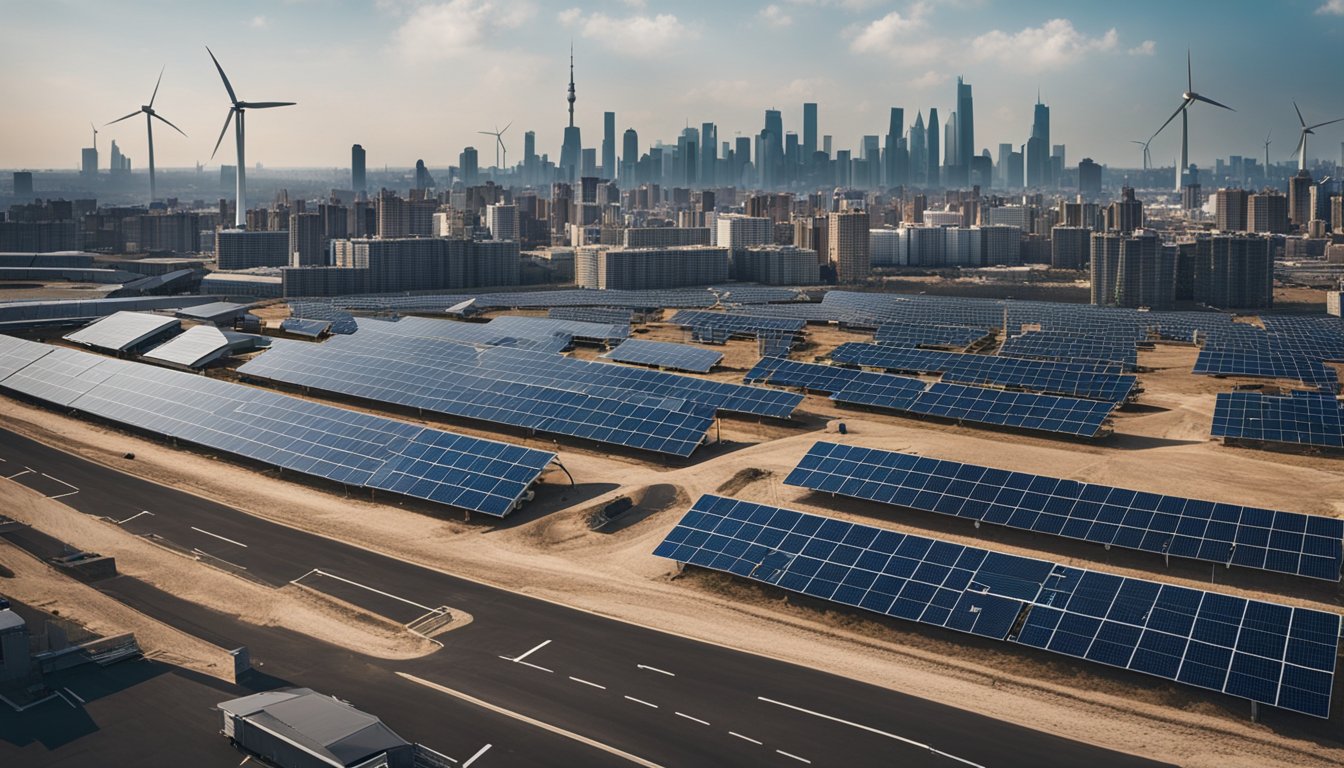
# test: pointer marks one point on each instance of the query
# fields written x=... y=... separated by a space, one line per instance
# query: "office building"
x=357 y=181
x=933 y=177
x=1070 y=247
x=88 y=162
x=307 y=247
x=23 y=184
x=502 y=221
x=1089 y=179
x=847 y=239
x=1267 y=212
x=1299 y=199
x=1234 y=272
x=629 y=157
x=919 y=152
x=604 y=267
x=884 y=247
x=609 y=145
x=1231 y=207
x=243 y=249
x=809 y=131
x=468 y=166
x=1126 y=214
x=965 y=132
x=736 y=232
x=1038 y=148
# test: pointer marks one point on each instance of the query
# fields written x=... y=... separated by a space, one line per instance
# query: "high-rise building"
x=608 y=268
x=629 y=157
x=306 y=245
x=919 y=152
x=241 y=249
x=502 y=221
x=1105 y=261
x=467 y=166
x=847 y=239
x=1234 y=272
x=1038 y=159
x=809 y=232
x=809 y=131
x=1089 y=179
x=893 y=165
x=1267 y=212
x=776 y=265
x=709 y=142
x=1124 y=215
x=965 y=132
x=23 y=184
x=933 y=176
x=1133 y=270
x=736 y=232
x=357 y=181
x=950 y=161
x=572 y=149
x=1230 y=210
x=1299 y=198
x=1070 y=247
x=423 y=180
x=1001 y=171
x=1337 y=213
x=88 y=162
x=609 y=145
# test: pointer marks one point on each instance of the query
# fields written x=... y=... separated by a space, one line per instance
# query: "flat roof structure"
x=122 y=331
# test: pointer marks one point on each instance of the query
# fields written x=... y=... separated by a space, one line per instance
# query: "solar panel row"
x=1266 y=652
x=1228 y=534
x=663 y=354
x=1272 y=365
x=311 y=438
x=736 y=323
x=1065 y=347
x=601 y=315
x=919 y=335
x=1303 y=418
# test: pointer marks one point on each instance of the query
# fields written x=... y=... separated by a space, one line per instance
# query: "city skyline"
x=650 y=64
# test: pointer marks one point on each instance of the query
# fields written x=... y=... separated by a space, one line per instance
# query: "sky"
x=411 y=79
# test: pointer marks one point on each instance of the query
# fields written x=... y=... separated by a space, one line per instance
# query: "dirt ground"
x=549 y=550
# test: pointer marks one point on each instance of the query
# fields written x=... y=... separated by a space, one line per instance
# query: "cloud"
x=1146 y=48
x=1053 y=44
x=848 y=5
x=889 y=32
x=446 y=30
x=930 y=79
x=637 y=35
x=775 y=16
x=258 y=22
x=1331 y=8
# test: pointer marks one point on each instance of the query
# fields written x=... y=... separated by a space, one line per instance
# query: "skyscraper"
x=629 y=156
x=773 y=160
x=892 y=166
x=965 y=132
x=467 y=166
x=357 y=181
x=809 y=131
x=933 y=176
x=1089 y=179
x=950 y=161
x=422 y=178
x=847 y=239
x=709 y=142
x=1038 y=161
x=1005 y=160
x=572 y=149
x=609 y=145
x=919 y=152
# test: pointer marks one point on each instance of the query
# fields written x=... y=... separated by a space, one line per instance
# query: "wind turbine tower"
x=1187 y=100
x=237 y=108
x=499 y=145
x=1302 y=140
x=150 y=117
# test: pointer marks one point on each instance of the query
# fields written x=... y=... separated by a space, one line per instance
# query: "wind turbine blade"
x=1189 y=74
x=223 y=77
x=1299 y=115
x=506 y=127
x=485 y=133
x=222 y=131
x=170 y=125
x=1300 y=142
x=1169 y=119
x=119 y=119
x=1207 y=100
x=267 y=104
x=1329 y=122
x=155 y=94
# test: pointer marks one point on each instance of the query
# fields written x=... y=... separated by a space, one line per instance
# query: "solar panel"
x=736 y=323
x=1021 y=410
x=199 y=346
x=311 y=438
x=1228 y=534
x=123 y=330
x=1089 y=380
x=663 y=354
x=814 y=377
x=18 y=314
x=919 y=335
x=1218 y=362
x=601 y=315
x=307 y=328
x=341 y=321
x=215 y=312
x=484 y=334
x=1308 y=419
x=1274 y=654
x=532 y=327
x=1045 y=345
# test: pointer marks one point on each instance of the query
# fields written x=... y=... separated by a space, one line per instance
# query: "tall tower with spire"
x=572 y=149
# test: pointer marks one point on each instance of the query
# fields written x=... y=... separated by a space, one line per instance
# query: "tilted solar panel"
x=1310 y=419
x=123 y=330
x=1022 y=410
x=1228 y=534
x=918 y=335
x=664 y=354
x=1274 y=654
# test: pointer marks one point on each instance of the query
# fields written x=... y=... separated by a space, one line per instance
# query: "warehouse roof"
x=322 y=725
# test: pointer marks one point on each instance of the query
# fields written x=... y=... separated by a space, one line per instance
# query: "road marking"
x=641 y=701
x=19 y=474
x=692 y=719
x=543 y=644
x=870 y=729
x=217 y=536
x=63 y=495
x=78 y=698
x=585 y=682
x=795 y=757
x=654 y=669
x=532 y=721
x=74 y=488
x=364 y=586
x=530 y=664
x=132 y=517
x=476 y=756
x=67 y=701
x=217 y=557
x=744 y=738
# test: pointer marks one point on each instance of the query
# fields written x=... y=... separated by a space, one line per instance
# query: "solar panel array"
x=310 y=438
x=664 y=354
x=1274 y=654
x=1302 y=418
x=311 y=329
x=918 y=335
x=1019 y=410
x=1089 y=380
x=342 y=322
x=123 y=330
x=1271 y=365
x=480 y=334
x=734 y=323
x=1228 y=534
x=1065 y=347
x=199 y=346
x=602 y=315
x=532 y=327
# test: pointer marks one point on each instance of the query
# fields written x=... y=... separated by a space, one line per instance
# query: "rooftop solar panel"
x=1274 y=654
x=1227 y=534
x=1305 y=419
x=199 y=346
x=663 y=354
x=123 y=330
x=311 y=438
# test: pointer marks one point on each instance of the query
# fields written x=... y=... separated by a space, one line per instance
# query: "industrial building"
x=300 y=728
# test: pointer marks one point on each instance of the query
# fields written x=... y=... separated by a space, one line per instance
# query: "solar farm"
x=1145 y=503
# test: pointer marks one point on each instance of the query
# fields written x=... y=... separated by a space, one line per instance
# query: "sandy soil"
x=292 y=607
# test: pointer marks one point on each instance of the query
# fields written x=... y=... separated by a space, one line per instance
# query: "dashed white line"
x=476 y=756
x=870 y=729
x=744 y=738
x=793 y=757
x=654 y=669
x=540 y=645
x=641 y=701
x=585 y=682
x=692 y=719
x=217 y=536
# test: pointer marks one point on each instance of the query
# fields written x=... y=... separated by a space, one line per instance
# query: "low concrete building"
x=300 y=728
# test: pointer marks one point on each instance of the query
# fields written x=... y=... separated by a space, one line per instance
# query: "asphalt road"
x=662 y=698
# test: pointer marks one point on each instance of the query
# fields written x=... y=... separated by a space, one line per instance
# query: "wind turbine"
x=95 y=136
x=1187 y=100
x=237 y=107
x=1302 y=142
x=1267 y=135
x=1147 y=159
x=150 y=115
x=499 y=144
